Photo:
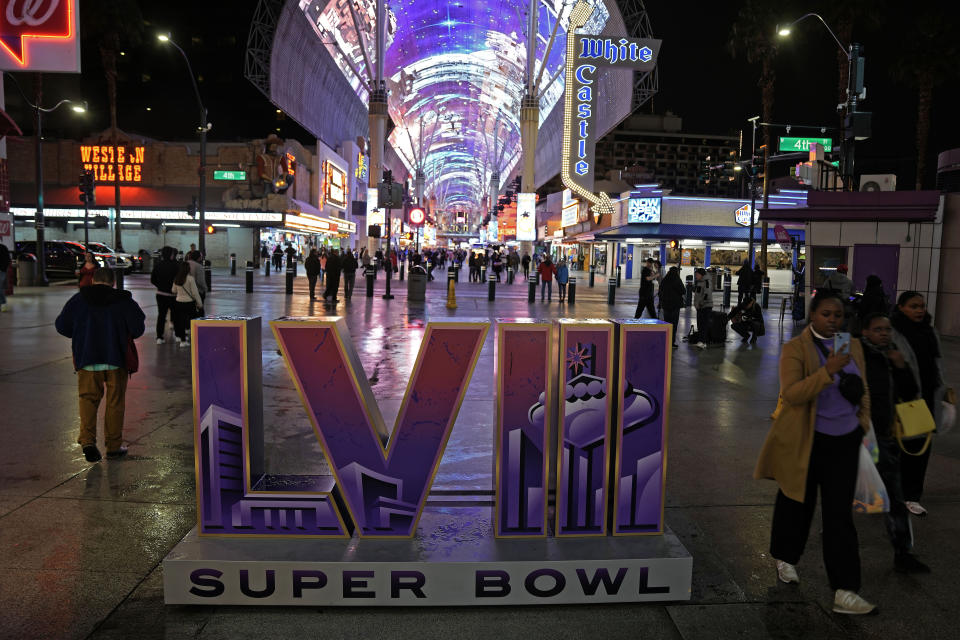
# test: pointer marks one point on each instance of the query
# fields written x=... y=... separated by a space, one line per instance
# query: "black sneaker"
x=91 y=453
x=119 y=453
x=908 y=563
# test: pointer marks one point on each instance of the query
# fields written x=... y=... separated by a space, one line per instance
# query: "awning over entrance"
x=700 y=232
x=866 y=206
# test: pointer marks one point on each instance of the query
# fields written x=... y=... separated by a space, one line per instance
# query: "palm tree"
x=929 y=55
x=108 y=25
x=754 y=36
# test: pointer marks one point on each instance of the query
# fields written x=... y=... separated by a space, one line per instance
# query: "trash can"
x=417 y=285
x=27 y=270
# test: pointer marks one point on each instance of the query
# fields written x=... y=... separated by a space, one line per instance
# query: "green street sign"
x=229 y=175
x=804 y=144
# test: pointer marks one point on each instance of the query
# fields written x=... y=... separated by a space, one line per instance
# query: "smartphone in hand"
x=841 y=342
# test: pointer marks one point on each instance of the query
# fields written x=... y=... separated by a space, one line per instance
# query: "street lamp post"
x=856 y=123
x=204 y=128
x=38 y=224
x=753 y=185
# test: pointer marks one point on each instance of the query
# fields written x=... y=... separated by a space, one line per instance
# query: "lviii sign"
x=579 y=440
x=581 y=409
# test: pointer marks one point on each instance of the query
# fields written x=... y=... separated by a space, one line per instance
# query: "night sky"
x=699 y=80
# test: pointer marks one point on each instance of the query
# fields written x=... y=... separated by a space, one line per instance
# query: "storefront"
x=693 y=231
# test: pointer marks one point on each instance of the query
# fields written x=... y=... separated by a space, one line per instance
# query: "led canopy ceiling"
x=455 y=74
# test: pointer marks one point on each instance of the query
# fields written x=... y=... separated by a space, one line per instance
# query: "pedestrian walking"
x=188 y=304
x=525 y=262
x=563 y=277
x=744 y=281
x=333 y=276
x=672 y=294
x=645 y=298
x=102 y=324
x=921 y=342
x=814 y=445
x=277 y=258
x=196 y=270
x=86 y=270
x=891 y=380
x=348 y=270
x=162 y=277
x=291 y=255
x=312 y=267
x=546 y=270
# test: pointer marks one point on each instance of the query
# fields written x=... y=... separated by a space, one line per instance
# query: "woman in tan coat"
x=815 y=444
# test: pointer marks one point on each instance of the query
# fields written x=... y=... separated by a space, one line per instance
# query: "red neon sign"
x=22 y=19
x=110 y=163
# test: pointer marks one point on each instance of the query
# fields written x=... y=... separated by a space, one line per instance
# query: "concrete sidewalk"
x=81 y=544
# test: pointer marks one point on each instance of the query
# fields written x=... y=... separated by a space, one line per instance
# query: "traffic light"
x=674 y=244
x=88 y=194
x=211 y=229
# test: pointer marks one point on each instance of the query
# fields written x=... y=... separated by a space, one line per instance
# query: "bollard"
x=619 y=270
x=765 y=293
x=250 y=276
x=266 y=269
x=370 y=272
x=289 y=282
x=451 y=288
x=483 y=273
x=727 y=284
x=233 y=264
x=611 y=291
x=532 y=289
x=118 y=276
x=492 y=287
x=401 y=271
x=208 y=275
x=509 y=275
x=294 y=268
x=689 y=299
x=593 y=275
x=571 y=290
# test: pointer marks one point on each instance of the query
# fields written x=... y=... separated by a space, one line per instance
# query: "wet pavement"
x=81 y=544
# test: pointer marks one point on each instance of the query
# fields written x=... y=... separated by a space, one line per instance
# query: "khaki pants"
x=93 y=385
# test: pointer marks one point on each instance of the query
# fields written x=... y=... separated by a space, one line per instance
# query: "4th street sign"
x=804 y=144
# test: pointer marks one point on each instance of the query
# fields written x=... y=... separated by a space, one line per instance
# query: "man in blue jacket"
x=101 y=322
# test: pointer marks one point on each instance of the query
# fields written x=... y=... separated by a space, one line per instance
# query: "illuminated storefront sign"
x=334 y=186
x=363 y=167
x=526 y=217
x=375 y=215
x=643 y=210
x=110 y=164
x=586 y=54
x=153 y=214
x=742 y=216
x=40 y=35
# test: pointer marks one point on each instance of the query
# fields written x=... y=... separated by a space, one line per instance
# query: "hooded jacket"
x=100 y=320
x=163 y=276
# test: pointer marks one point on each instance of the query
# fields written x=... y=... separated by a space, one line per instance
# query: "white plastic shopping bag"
x=870 y=495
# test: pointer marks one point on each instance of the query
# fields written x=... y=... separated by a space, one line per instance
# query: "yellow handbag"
x=913 y=420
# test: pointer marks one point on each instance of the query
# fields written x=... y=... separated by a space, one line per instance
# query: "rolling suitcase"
x=717 y=331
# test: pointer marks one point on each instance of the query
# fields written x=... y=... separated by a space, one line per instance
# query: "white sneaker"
x=184 y=343
x=701 y=345
x=787 y=572
x=915 y=508
x=850 y=603
x=160 y=341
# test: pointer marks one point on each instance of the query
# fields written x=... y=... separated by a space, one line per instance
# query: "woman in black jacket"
x=890 y=381
x=672 y=292
x=747 y=318
x=914 y=324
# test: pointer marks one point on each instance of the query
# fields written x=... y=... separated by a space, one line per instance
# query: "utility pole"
x=753 y=186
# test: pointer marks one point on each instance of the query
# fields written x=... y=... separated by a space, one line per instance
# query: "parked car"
x=103 y=259
x=127 y=261
x=63 y=259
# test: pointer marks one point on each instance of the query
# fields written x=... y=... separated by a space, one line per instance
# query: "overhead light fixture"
x=163 y=37
x=783 y=32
